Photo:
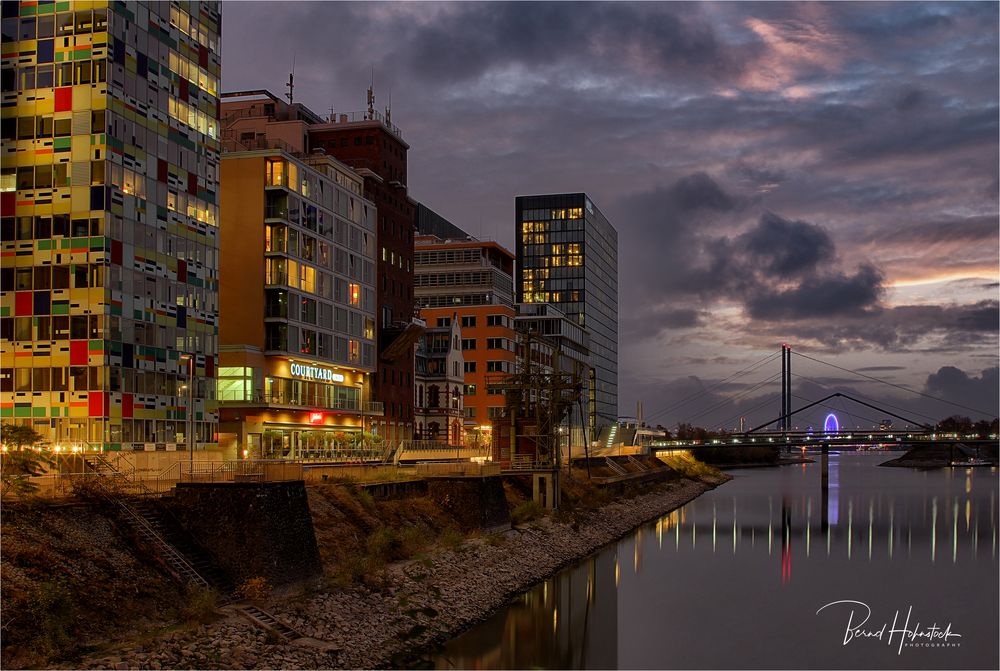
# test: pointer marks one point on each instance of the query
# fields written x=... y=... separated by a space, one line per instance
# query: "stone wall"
x=253 y=529
x=478 y=503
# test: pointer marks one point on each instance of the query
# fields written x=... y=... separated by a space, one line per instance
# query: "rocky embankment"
x=417 y=604
x=940 y=456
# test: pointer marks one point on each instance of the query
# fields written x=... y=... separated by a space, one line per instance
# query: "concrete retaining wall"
x=253 y=529
x=478 y=503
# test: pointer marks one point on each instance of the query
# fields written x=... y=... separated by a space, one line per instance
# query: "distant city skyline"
x=821 y=174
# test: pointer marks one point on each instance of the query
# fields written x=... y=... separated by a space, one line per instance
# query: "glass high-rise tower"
x=567 y=255
x=110 y=169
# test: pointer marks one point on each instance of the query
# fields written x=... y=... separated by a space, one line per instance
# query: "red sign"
x=315 y=418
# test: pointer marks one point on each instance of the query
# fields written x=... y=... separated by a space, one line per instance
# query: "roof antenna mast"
x=291 y=83
x=371 y=96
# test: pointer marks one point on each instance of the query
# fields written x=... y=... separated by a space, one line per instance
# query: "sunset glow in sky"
x=819 y=174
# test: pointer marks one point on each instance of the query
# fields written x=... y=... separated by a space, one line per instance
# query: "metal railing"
x=231 y=142
x=452 y=469
x=430 y=450
x=311 y=402
x=373 y=115
x=527 y=462
x=257 y=470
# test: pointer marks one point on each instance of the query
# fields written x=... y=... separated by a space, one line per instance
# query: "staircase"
x=156 y=526
x=167 y=527
x=268 y=622
x=611 y=436
x=615 y=466
x=638 y=464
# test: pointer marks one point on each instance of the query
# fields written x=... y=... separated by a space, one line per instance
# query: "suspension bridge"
x=916 y=427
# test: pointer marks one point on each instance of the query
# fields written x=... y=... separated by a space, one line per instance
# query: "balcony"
x=258 y=399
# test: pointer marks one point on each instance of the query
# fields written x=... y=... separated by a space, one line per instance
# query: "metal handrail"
x=114 y=497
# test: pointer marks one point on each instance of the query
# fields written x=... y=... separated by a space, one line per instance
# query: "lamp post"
x=361 y=407
x=189 y=414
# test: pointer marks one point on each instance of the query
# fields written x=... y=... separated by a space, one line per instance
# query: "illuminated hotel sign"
x=315 y=373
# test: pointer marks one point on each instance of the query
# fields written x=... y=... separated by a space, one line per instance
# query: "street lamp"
x=189 y=414
x=361 y=405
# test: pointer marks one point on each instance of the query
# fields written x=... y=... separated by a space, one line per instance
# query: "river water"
x=739 y=578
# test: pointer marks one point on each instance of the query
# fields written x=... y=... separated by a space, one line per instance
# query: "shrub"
x=365 y=499
x=383 y=544
x=526 y=512
x=359 y=568
x=413 y=539
x=52 y=612
x=18 y=466
x=255 y=589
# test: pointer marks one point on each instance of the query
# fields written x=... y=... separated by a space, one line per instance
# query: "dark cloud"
x=786 y=248
x=654 y=320
x=753 y=267
x=480 y=37
x=879 y=369
x=979 y=395
x=950 y=329
x=697 y=192
x=909 y=99
x=821 y=296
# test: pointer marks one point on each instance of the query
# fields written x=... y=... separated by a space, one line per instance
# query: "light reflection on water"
x=734 y=579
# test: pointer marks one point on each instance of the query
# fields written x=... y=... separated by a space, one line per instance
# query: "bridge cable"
x=843 y=407
x=803 y=398
x=869 y=398
x=736 y=396
x=709 y=388
x=747 y=411
x=898 y=386
x=704 y=391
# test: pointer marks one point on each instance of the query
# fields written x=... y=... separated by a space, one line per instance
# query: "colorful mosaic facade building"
x=110 y=170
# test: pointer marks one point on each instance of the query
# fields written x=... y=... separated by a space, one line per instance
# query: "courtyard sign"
x=315 y=373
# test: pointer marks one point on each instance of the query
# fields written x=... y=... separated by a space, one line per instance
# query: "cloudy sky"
x=819 y=174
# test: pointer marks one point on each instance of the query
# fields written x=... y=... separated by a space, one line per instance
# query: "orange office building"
x=472 y=281
x=297 y=298
x=489 y=345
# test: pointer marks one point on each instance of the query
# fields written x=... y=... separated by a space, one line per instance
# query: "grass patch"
x=451 y=537
x=200 y=604
x=496 y=539
x=686 y=464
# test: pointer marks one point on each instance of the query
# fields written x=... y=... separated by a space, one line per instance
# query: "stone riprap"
x=423 y=602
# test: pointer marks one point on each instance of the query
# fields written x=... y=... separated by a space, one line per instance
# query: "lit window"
x=275 y=172
x=354 y=293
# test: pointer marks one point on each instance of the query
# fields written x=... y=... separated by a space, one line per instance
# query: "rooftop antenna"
x=371 y=96
x=291 y=83
x=333 y=116
x=388 y=110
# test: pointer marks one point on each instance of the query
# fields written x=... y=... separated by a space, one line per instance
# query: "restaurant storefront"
x=274 y=407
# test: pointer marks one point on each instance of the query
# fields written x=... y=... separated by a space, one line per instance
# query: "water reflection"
x=724 y=600
x=579 y=609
